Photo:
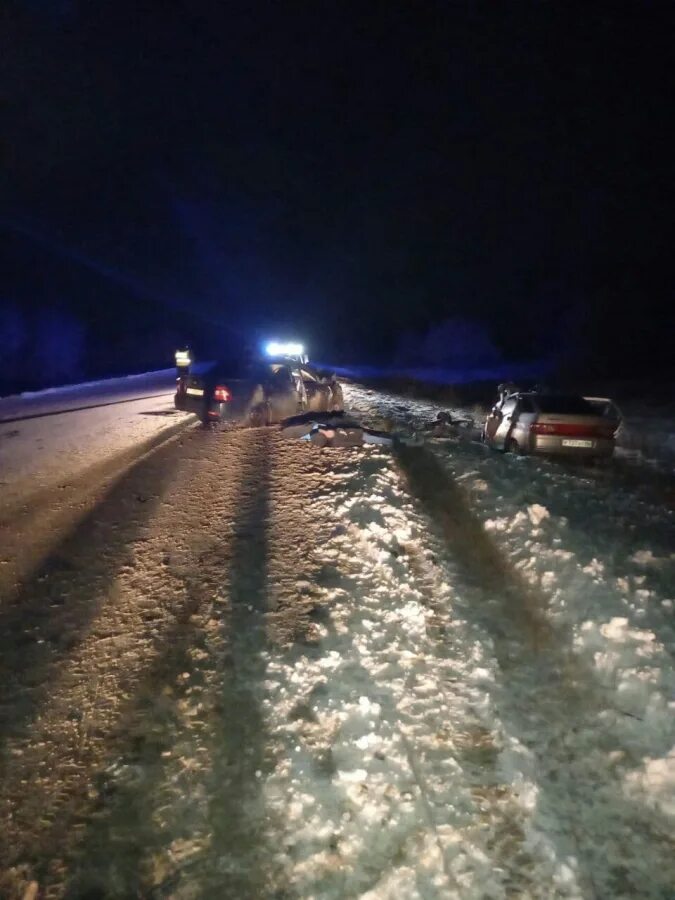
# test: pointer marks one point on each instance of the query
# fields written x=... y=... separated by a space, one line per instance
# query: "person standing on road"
x=183 y=359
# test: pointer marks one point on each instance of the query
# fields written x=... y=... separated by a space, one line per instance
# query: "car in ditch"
x=526 y=422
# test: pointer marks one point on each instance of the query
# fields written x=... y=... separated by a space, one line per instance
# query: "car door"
x=607 y=409
x=521 y=420
x=492 y=422
x=507 y=422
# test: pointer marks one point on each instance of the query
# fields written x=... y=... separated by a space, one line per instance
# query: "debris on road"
x=333 y=430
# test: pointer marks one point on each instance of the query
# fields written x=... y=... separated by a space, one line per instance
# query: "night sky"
x=354 y=175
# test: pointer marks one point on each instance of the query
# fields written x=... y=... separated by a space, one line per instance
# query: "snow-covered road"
x=253 y=668
x=88 y=395
x=61 y=449
x=57 y=435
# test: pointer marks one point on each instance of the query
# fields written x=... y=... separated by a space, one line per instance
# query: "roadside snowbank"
x=86 y=395
x=599 y=558
x=395 y=776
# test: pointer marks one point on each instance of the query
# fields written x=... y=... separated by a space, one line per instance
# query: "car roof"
x=543 y=399
x=237 y=368
x=563 y=404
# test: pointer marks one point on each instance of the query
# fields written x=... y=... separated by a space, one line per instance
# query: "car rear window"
x=564 y=405
x=234 y=368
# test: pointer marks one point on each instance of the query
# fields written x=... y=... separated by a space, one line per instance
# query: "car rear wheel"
x=512 y=446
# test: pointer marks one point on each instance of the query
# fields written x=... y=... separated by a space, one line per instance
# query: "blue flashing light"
x=277 y=348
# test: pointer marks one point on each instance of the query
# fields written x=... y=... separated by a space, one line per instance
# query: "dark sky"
x=353 y=173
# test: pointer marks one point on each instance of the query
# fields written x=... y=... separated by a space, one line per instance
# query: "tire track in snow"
x=75 y=641
x=32 y=526
x=200 y=814
x=238 y=864
x=471 y=547
x=203 y=824
x=120 y=744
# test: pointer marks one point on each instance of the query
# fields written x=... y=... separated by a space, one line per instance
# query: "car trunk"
x=589 y=427
x=240 y=392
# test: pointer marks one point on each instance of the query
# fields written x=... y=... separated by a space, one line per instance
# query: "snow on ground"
x=396 y=410
x=355 y=753
x=602 y=560
x=255 y=668
x=58 y=458
x=648 y=434
x=37 y=452
x=53 y=435
x=388 y=785
x=599 y=558
x=87 y=394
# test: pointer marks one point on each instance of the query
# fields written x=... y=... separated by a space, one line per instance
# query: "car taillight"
x=222 y=394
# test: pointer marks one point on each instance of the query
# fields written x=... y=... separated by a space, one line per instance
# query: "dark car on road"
x=245 y=392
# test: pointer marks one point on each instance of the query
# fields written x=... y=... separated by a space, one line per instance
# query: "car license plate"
x=196 y=392
x=567 y=442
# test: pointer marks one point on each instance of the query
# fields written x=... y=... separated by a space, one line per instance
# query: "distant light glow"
x=276 y=348
x=183 y=358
